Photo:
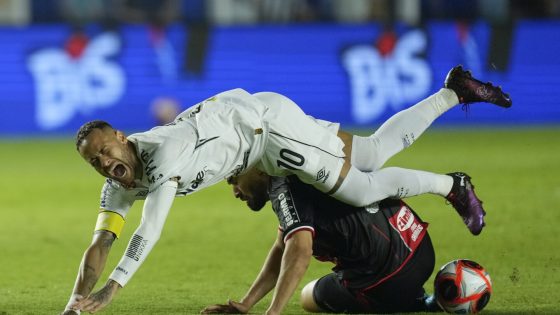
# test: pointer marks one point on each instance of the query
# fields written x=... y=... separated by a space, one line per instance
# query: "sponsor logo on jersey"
x=409 y=227
x=195 y=111
x=198 y=107
x=289 y=214
x=104 y=195
x=136 y=247
x=149 y=167
x=322 y=175
x=105 y=192
x=416 y=232
x=405 y=219
x=199 y=179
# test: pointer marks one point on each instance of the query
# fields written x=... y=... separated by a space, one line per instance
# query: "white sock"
x=400 y=131
x=364 y=188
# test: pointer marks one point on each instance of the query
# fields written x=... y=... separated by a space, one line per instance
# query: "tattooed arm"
x=93 y=263
x=156 y=209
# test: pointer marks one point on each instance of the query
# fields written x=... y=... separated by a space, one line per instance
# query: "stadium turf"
x=213 y=246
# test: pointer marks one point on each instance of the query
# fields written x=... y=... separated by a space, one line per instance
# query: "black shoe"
x=466 y=203
x=471 y=90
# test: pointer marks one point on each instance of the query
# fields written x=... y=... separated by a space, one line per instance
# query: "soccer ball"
x=462 y=287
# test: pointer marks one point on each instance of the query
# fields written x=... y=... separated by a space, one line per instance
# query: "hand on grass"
x=231 y=308
x=98 y=300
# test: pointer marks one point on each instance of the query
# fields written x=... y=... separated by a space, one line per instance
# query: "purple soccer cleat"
x=466 y=203
x=470 y=90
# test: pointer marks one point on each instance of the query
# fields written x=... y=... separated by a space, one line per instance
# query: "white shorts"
x=299 y=144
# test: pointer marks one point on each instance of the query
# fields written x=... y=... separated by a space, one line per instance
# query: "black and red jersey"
x=367 y=244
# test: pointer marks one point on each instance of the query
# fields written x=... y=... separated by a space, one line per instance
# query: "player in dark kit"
x=383 y=254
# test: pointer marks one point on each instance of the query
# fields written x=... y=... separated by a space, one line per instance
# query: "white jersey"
x=223 y=136
x=211 y=141
x=217 y=138
x=300 y=145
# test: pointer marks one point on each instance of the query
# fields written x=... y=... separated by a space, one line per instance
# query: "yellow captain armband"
x=110 y=221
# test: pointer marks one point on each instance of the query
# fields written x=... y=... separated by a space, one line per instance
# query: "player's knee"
x=307 y=300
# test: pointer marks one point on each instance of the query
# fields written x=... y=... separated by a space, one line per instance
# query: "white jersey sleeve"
x=156 y=208
x=116 y=198
x=114 y=206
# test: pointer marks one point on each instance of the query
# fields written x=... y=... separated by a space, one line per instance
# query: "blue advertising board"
x=53 y=80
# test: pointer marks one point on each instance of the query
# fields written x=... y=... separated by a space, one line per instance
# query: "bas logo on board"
x=392 y=74
x=80 y=78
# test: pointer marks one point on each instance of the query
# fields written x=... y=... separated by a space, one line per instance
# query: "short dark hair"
x=87 y=128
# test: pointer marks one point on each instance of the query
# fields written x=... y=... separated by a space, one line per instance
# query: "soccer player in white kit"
x=234 y=131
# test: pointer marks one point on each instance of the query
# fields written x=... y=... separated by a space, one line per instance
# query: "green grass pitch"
x=213 y=246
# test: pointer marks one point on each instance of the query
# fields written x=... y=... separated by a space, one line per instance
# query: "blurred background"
x=136 y=63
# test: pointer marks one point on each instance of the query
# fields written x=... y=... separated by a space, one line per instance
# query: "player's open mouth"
x=119 y=170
